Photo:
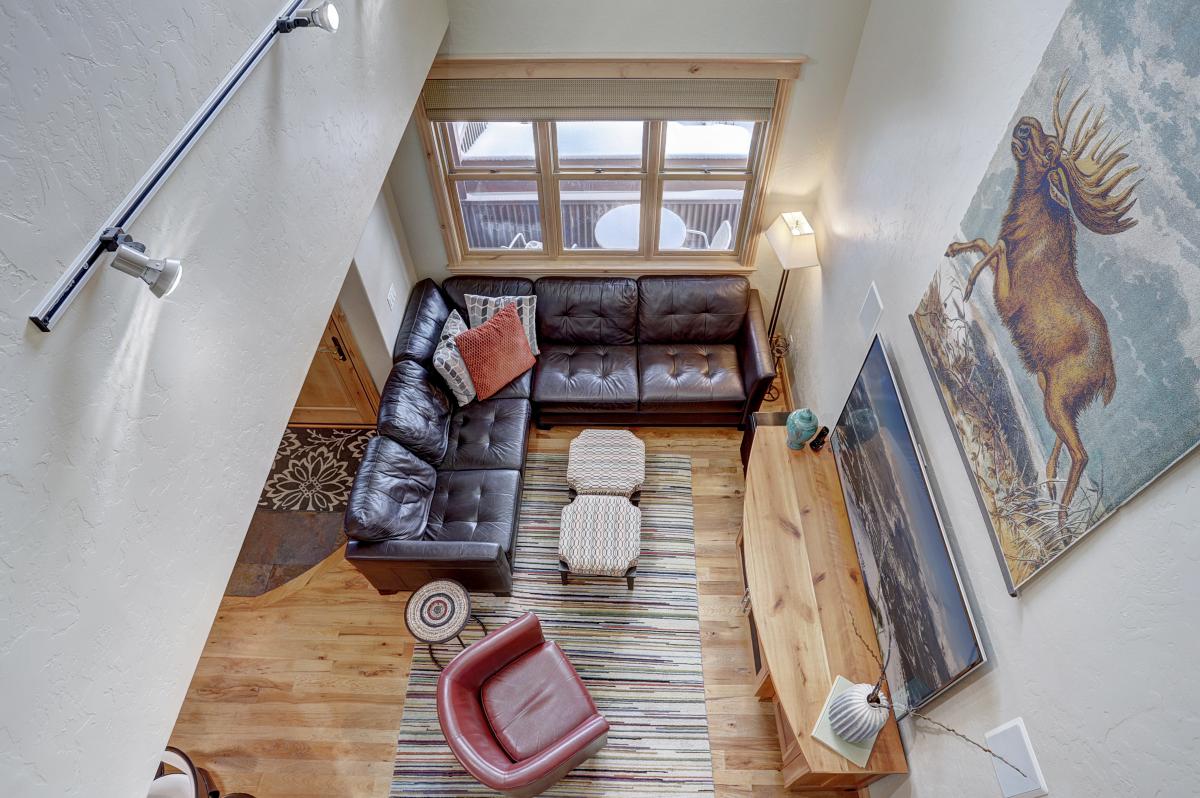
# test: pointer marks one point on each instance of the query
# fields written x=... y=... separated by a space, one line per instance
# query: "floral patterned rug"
x=314 y=469
x=298 y=521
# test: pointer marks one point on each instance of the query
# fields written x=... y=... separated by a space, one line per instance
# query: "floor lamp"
x=792 y=240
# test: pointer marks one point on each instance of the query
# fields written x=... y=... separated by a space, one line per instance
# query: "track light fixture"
x=109 y=244
x=324 y=16
x=161 y=274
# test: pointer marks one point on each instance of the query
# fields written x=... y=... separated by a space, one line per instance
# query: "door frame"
x=357 y=364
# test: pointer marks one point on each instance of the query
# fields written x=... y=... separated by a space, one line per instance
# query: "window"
x=572 y=172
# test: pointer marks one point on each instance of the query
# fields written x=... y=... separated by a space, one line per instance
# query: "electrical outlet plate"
x=1011 y=741
x=391 y=297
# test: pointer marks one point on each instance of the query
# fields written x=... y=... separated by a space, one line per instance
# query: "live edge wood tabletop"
x=806 y=597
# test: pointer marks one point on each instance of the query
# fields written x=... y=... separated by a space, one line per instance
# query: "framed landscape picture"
x=921 y=616
x=1063 y=327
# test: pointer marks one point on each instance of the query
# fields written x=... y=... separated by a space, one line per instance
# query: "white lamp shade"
x=795 y=250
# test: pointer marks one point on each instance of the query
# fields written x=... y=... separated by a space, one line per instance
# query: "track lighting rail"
x=97 y=250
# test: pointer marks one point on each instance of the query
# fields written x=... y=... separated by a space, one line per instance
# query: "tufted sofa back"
x=414 y=411
x=424 y=316
x=696 y=309
x=587 y=310
x=457 y=288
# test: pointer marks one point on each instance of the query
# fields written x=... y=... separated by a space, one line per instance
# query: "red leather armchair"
x=515 y=713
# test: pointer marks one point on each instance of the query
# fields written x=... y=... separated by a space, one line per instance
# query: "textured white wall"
x=360 y=313
x=827 y=32
x=382 y=259
x=135 y=438
x=1098 y=654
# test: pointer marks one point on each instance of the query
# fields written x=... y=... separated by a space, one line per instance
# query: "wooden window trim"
x=649 y=259
x=450 y=68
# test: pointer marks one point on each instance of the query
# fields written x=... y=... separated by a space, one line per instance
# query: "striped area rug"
x=638 y=651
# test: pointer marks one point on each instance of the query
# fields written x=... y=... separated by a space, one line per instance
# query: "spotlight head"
x=324 y=16
x=161 y=274
x=169 y=273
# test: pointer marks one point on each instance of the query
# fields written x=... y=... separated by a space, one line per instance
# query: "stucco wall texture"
x=1098 y=654
x=136 y=436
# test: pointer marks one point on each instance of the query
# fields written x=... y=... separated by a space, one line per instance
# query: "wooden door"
x=338 y=391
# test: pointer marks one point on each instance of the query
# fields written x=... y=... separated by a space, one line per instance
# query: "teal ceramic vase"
x=801 y=426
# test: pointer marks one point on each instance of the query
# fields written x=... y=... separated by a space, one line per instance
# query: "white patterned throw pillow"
x=482 y=308
x=449 y=361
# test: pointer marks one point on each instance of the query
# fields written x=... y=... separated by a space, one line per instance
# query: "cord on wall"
x=51 y=308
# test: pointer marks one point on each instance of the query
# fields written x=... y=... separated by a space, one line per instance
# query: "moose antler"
x=1088 y=175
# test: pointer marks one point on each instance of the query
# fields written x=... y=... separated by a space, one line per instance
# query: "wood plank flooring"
x=300 y=691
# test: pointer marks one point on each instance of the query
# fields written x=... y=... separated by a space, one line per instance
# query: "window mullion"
x=548 y=189
x=652 y=188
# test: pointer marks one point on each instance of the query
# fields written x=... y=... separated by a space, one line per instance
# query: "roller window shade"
x=583 y=99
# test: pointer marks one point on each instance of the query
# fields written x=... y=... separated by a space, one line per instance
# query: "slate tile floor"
x=298 y=521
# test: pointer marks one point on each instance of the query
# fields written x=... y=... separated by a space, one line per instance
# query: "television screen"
x=921 y=617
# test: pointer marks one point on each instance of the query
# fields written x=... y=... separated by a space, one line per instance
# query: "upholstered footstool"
x=607 y=462
x=600 y=536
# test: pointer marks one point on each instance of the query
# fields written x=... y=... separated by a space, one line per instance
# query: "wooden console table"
x=805 y=598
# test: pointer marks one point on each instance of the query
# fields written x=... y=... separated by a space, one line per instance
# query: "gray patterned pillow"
x=449 y=361
x=482 y=308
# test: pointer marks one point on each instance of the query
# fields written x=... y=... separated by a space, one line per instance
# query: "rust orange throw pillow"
x=496 y=352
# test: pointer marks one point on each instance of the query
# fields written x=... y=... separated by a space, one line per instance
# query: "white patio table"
x=619 y=228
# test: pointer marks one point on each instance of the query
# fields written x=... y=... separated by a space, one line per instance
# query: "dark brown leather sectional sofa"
x=439 y=489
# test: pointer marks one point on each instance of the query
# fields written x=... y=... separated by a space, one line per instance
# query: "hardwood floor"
x=300 y=691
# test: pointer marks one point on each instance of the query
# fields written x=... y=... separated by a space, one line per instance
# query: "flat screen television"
x=922 y=618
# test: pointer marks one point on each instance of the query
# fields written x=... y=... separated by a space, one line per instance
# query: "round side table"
x=438 y=612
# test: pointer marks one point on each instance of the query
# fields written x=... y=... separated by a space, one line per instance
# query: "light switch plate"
x=1011 y=741
x=391 y=297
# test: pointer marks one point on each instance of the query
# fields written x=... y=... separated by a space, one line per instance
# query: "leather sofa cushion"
x=582 y=310
x=476 y=506
x=691 y=309
x=520 y=388
x=488 y=434
x=414 y=411
x=535 y=700
x=424 y=316
x=586 y=376
x=392 y=493
x=457 y=288
x=686 y=375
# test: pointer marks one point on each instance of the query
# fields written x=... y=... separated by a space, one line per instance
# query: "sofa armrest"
x=754 y=355
x=427 y=551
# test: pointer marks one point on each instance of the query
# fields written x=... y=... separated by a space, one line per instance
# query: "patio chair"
x=723 y=237
x=527 y=243
x=720 y=240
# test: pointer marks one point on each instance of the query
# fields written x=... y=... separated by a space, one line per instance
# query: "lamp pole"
x=779 y=344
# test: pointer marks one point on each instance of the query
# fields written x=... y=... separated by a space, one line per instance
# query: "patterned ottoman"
x=609 y=462
x=600 y=536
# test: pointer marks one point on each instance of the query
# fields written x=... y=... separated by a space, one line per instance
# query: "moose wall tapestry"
x=1063 y=327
